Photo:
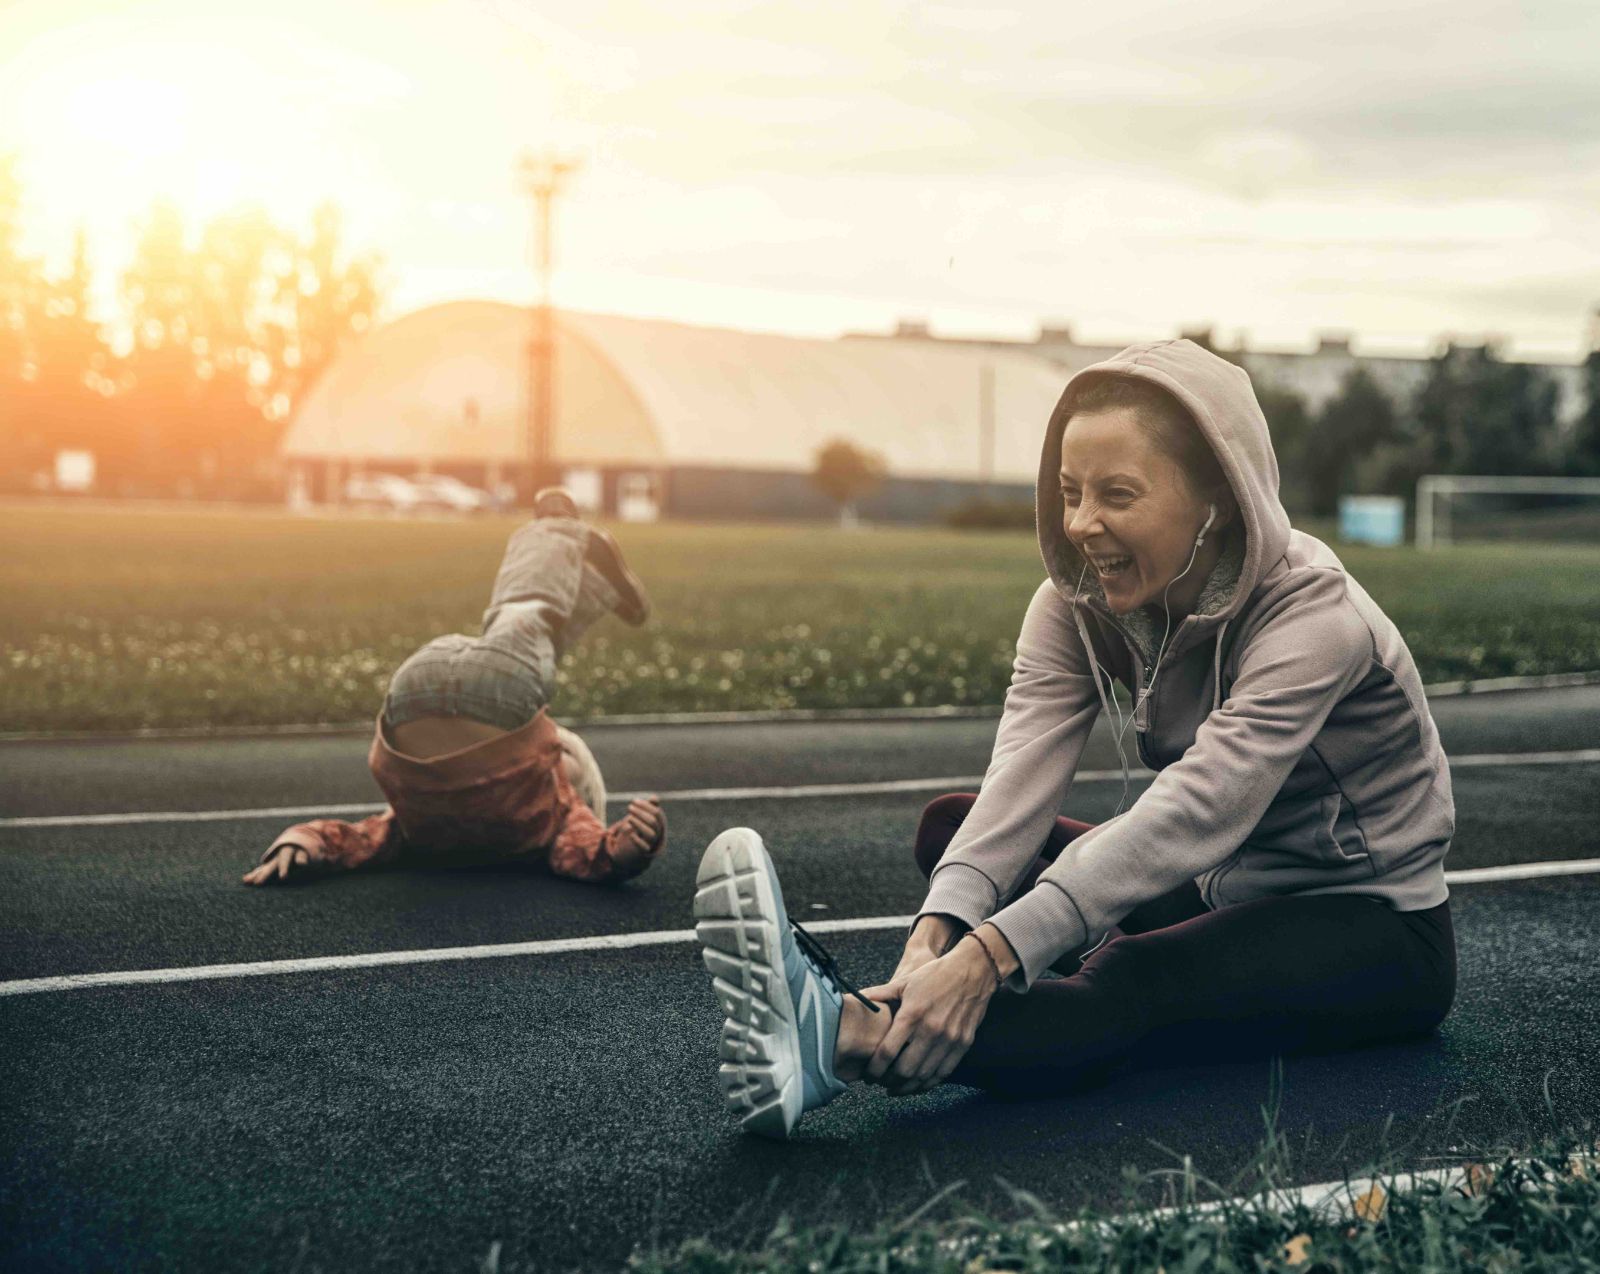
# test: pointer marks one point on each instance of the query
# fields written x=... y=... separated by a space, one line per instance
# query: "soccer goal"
x=1453 y=507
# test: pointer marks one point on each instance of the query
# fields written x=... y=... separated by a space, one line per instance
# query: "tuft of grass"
x=127 y=619
x=1538 y=1210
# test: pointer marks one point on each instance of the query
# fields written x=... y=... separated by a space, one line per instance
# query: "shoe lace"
x=827 y=965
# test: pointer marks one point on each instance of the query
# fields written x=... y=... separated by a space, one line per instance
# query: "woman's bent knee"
x=937 y=827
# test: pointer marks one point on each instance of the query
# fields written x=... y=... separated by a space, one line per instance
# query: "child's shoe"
x=605 y=555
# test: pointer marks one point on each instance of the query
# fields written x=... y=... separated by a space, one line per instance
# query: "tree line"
x=1473 y=413
x=219 y=330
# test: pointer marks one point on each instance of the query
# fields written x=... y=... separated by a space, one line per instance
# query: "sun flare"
x=135 y=117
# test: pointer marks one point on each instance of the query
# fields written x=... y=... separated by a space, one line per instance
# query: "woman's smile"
x=1111 y=566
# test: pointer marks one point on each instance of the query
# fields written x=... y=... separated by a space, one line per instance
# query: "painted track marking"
x=1475 y=760
x=597 y=942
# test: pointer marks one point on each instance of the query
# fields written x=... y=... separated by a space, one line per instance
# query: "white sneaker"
x=781 y=991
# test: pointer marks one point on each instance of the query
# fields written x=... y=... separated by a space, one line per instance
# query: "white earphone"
x=1139 y=696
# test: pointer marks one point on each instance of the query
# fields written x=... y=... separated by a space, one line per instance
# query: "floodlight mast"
x=542 y=175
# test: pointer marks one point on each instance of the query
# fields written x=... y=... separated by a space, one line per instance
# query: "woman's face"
x=1129 y=510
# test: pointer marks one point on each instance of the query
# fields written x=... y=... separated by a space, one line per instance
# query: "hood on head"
x=1220 y=398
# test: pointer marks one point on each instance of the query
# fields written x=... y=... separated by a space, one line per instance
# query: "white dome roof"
x=447 y=383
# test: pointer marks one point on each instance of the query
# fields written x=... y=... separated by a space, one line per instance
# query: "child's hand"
x=646 y=824
x=280 y=864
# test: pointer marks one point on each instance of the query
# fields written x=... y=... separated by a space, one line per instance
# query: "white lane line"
x=190 y=816
x=683 y=794
x=1342 y=1200
x=1523 y=871
x=969 y=782
x=1578 y=756
x=803 y=791
x=426 y=955
x=598 y=942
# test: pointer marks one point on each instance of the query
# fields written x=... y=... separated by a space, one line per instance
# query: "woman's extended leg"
x=1274 y=975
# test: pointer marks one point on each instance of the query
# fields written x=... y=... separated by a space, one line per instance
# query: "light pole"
x=985 y=429
x=542 y=176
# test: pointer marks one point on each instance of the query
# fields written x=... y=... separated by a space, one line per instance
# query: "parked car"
x=382 y=491
x=441 y=491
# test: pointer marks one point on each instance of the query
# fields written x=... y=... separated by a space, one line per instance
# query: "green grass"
x=1533 y=1217
x=1534 y=1210
x=126 y=619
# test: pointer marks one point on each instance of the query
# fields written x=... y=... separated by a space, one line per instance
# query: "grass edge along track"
x=1537 y=1209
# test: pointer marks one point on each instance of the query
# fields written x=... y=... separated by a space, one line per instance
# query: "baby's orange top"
x=505 y=798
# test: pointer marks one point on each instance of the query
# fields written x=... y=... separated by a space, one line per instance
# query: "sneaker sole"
x=633 y=603
x=741 y=944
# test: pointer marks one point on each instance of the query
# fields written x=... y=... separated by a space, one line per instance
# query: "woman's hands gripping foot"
x=941 y=990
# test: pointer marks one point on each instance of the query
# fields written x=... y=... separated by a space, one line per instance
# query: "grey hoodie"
x=1294 y=748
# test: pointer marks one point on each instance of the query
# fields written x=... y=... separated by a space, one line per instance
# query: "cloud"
x=1353 y=162
x=1232 y=95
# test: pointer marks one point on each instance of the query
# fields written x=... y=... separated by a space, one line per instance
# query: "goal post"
x=1434 y=528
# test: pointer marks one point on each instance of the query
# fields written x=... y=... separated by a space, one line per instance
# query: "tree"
x=17 y=275
x=221 y=336
x=1584 y=458
x=19 y=285
x=1349 y=429
x=71 y=359
x=1288 y=422
x=53 y=357
x=227 y=336
x=334 y=298
x=1477 y=414
x=845 y=472
x=165 y=434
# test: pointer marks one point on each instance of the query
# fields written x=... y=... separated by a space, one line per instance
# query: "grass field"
x=123 y=619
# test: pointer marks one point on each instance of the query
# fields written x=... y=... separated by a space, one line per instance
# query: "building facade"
x=1316 y=374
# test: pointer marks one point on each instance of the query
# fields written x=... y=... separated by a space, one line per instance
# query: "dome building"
x=653 y=418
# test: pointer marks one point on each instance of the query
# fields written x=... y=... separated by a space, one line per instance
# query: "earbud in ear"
x=1211 y=516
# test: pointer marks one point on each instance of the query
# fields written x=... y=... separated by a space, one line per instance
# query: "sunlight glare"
x=197 y=122
x=136 y=117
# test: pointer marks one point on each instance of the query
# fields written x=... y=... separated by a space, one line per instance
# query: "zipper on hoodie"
x=1147 y=677
x=1144 y=676
x=1139 y=735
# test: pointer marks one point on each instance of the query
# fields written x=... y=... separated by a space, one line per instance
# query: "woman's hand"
x=929 y=939
x=942 y=1001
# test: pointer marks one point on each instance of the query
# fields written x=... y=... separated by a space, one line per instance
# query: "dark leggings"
x=1176 y=982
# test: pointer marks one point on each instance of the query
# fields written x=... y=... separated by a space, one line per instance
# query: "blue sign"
x=1372 y=519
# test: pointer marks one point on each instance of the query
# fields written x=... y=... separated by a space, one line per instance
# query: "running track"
x=560 y=1101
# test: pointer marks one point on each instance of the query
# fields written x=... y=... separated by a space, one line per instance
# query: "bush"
x=992 y=515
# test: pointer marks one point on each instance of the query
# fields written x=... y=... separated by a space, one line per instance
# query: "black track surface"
x=564 y=1106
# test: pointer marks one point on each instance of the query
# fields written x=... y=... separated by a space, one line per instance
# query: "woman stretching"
x=1277 y=888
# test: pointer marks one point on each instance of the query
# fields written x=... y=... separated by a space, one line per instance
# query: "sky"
x=1400 y=171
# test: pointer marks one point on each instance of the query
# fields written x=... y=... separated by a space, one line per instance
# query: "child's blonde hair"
x=587 y=780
